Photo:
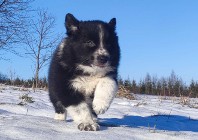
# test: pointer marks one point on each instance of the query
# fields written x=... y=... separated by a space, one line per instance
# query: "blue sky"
x=155 y=36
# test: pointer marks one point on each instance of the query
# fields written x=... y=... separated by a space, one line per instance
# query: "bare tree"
x=148 y=83
x=12 y=75
x=40 y=41
x=13 y=19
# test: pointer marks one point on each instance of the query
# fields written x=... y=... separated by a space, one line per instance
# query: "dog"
x=83 y=71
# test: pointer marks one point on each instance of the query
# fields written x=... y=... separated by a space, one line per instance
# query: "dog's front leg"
x=105 y=91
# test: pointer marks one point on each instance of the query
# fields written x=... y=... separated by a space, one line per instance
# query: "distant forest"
x=16 y=81
x=164 y=86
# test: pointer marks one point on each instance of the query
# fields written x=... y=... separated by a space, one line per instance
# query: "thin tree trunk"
x=36 y=78
x=37 y=70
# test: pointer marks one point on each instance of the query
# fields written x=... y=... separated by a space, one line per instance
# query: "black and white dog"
x=83 y=71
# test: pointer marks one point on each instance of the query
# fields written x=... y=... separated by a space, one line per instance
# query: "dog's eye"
x=90 y=43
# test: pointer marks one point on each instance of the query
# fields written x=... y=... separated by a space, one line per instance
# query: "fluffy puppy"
x=83 y=71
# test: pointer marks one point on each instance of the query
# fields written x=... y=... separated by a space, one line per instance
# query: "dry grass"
x=124 y=93
x=190 y=102
x=25 y=98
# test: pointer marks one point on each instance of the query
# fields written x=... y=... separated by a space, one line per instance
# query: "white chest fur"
x=85 y=84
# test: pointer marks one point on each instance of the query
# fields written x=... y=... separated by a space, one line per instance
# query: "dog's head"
x=94 y=43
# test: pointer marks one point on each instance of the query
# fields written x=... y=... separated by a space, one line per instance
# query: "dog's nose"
x=102 y=59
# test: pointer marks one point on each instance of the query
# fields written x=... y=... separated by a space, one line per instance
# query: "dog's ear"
x=71 y=24
x=112 y=23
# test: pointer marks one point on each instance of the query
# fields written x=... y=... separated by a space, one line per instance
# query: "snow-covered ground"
x=147 y=117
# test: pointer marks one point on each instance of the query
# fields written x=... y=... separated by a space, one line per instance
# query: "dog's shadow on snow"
x=155 y=122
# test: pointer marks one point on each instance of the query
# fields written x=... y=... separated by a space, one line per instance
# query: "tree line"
x=28 y=83
x=172 y=85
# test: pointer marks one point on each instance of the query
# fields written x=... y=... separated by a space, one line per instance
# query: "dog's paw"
x=88 y=127
x=100 y=107
x=60 y=117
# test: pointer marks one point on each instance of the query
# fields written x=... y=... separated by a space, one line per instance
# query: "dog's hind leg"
x=60 y=112
x=82 y=115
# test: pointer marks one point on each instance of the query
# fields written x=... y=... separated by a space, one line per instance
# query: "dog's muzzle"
x=102 y=60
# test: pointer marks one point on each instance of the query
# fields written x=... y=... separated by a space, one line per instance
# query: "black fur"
x=81 y=42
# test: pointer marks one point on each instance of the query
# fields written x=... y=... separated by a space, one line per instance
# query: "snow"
x=147 y=117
